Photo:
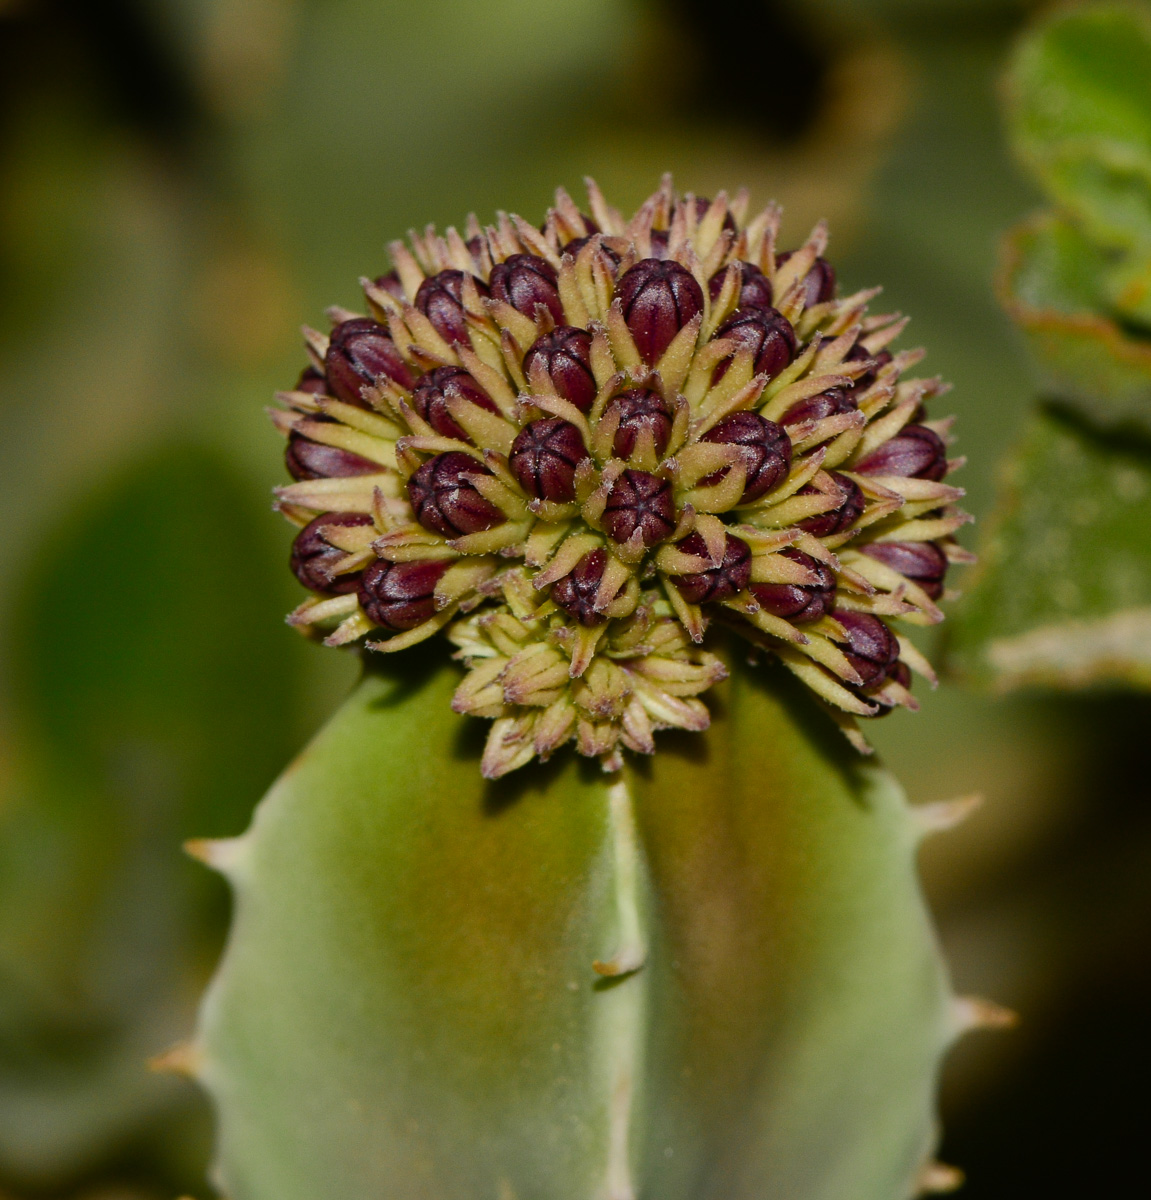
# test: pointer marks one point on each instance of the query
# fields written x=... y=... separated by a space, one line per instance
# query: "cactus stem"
x=942 y=815
x=221 y=854
x=631 y=950
x=974 y=1012
x=936 y=1178
x=184 y=1058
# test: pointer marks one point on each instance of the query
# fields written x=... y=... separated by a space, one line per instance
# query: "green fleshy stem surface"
x=408 y=1005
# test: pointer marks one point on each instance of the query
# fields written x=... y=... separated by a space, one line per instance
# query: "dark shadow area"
x=409 y=673
x=724 y=78
x=1125 y=439
x=113 y=50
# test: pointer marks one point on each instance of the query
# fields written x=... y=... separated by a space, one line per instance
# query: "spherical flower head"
x=581 y=450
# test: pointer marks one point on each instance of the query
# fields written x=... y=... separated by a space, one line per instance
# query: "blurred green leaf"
x=153 y=676
x=1051 y=285
x=1080 y=111
x=1062 y=596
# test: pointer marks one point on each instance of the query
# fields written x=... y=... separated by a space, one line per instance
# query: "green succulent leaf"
x=408 y=1004
x=1062 y=595
x=1054 y=286
x=1080 y=113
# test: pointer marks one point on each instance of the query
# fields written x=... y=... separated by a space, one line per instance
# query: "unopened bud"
x=544 y=458
x=764 y=448
x=766 y=333
x=659 y=297
x=565 y=354
x=360 y=354
x=870 y=646
x=575 y=593
x=313 y=557
x=839 y=518
x=715 y=583
x=306 y=459
x=312 y=382
x=527 y=282
x=860 y=353
x=431 y=395
x=639 y=409
x=915 y=452
x=640 y=501
x=921 y=562
x=446 y=501
x=831 y=403
x=401 y=595
x=798 y=603
x=440 y=299
x=754 y=286
x=818 y=283
x=391 y=284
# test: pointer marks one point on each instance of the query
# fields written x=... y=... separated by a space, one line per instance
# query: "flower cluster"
x=574 y=447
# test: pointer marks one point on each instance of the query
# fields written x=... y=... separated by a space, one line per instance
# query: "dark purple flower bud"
x=899 y=673
x=640 y=408
x=544 y=458
x=766 y=333
x=312 y=382
x=527 y=282
x=831 y=403
x=575 y=593
x=659 y=298
x=361 y=353
x=859 y=353
x=313 y=557
x=843 y=516
x=921 y=562
x=915 y=452
x=431 y=395
x=306 y=459
x=446 y=502
x=715 y=583
x=577 y=244
x=640 y=501
x=765 y=449
x=566 y=357
x=870 y=646
x=391 y=284
x=401 y=595
x=754 y=286
x=819 y=282
x=660 y=240
x=440 y=299
x=798 y=603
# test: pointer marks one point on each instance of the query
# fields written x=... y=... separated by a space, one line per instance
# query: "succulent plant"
x=600 y=442
x=620 y=464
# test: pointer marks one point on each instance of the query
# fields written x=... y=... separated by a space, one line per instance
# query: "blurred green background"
x=181 y=183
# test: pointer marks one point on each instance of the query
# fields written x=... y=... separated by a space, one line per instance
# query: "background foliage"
x=183 y=181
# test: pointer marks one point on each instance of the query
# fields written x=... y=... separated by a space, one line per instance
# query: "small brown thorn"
x=221 y=854
x=974 y=1012
x=183 y=1058
x=944 y=814
x=936 y=1178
